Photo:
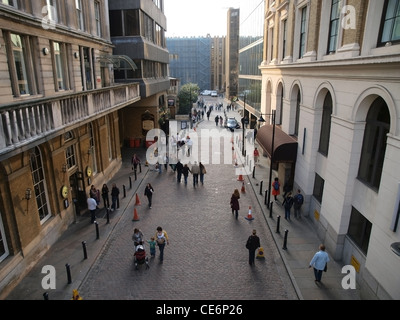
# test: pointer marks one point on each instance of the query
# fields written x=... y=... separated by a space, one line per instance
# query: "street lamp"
x=261 y=119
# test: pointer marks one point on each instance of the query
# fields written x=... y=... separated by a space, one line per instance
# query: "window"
x=115 y=23
x=374 y=144
x=131 y=23
x=70 y=150
x=39 y=184
x=318 y=188
x=13 y=3
x=334 y=25
x=284 y=38
x=60 y=66
x=325 y=125
x=87 y=69
x=4 y=252
x=297 y=118
x=147 y=27
x=97 y=13
x=390 y=24
x=92 y=148
x=359 y=230
x=303 y=32
x=21 y=64
x=79 y=15
x=52 y=10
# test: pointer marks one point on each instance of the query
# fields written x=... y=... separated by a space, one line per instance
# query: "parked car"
x=232 y=124
x=214 y=94
x=205 y=93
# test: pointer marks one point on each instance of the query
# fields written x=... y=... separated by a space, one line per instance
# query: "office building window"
x=359 y=230
x=318 y=188
x=97 y=16
x=297 y=117
x=39 y=184
x=390 y=23
x=303 y=30
x=325 y=125
x=374 y=144
x=79 y=15
x=334 y=25
x=60 y=66
x=21 y=64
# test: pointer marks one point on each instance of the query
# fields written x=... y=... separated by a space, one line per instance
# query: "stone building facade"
x=330 y=74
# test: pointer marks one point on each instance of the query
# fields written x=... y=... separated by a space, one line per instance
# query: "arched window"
x=325 y=125
x=39 y=185
x=296 y=125
x=374 y=144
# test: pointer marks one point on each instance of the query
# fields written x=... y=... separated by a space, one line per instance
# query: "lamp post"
x=244 y=122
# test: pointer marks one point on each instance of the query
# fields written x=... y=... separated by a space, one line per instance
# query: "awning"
x=285 y=147
x=118 y=61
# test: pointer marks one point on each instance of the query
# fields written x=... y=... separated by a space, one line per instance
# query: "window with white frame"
x=60 y=66
x=22 y=63
x=334 y=25
x=284 y=38
x=303 y=32
x=390 y=23
x=39 y=184
x=13 y=3
x=52 y=10
x=70 y=150
x=79 y=15
x=325 y=125
x=97 y=13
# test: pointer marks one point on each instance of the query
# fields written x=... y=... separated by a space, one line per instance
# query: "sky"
x=194 y=18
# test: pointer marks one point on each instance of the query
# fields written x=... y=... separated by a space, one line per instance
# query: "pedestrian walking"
x=161 y=237
x=256 y=156
x=203 y=171
x=179 y=170
x=137 y=237
x=185 y=172
x=235 y=203
x=135 y=162
x=298 y=201
x=114 y=197
x=148 y=192
x=252 y=244
x=319 y=262
x=195 y=172
x=287 y=187
x=216 y=120
x=288 y=203
x=152 y=244
x=95 y=194
x=105 y=196
x=189 y=144
x=92 y=207
x=276 y=189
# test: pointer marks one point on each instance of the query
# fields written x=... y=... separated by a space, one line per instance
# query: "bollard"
x=135 y=178
x=270 y=209
x=97 y=230
x=124 y=188
x=254 y=172
x=68 y=273
x=277 y=224
x=285 y=240
x=130 y=182
x=108 y=215
x=265 y=198
x=140 y=167
x=84 y=250
x=261 y=185
x=46 y=296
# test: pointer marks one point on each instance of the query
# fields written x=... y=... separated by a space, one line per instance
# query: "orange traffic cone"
x=135 y=215
x=240 y=178
x=249 y=216
x=243 y=189
x=137 y=203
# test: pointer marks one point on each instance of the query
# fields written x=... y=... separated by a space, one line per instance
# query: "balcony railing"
x=27 y=121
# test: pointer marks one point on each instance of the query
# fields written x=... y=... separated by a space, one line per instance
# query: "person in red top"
x=276 y=186
x=256 y=155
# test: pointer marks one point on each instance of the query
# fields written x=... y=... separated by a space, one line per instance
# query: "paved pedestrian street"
x=206 y=258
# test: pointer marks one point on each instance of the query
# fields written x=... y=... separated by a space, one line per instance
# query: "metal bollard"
x=84 y=250
x=285 y=240
x=140 y=167
x=130 y=182
x=135 y=177
x=68 y=273
x=46 y=296
x=270 y=209
x=277 y=224
x=108 y=216
x=265 y=198
x=254 y=172
x=124 y=188
x=261 y=185
x=97 y=230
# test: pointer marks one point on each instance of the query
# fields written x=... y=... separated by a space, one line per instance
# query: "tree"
x=187 y=95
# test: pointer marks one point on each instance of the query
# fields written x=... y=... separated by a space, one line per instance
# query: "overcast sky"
x=187 y=18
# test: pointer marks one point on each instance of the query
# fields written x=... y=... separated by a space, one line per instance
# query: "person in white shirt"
x=92 y=207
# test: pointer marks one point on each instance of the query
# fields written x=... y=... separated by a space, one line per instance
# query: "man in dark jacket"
x=179 y=168
x=252 y=244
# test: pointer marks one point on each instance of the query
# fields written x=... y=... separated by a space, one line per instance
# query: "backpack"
x=299 y=199
x=248 y=243
x=276 y=185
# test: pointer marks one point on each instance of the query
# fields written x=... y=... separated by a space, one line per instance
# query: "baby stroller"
x=140 y=256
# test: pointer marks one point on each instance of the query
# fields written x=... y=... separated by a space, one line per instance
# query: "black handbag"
x=326 y=267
